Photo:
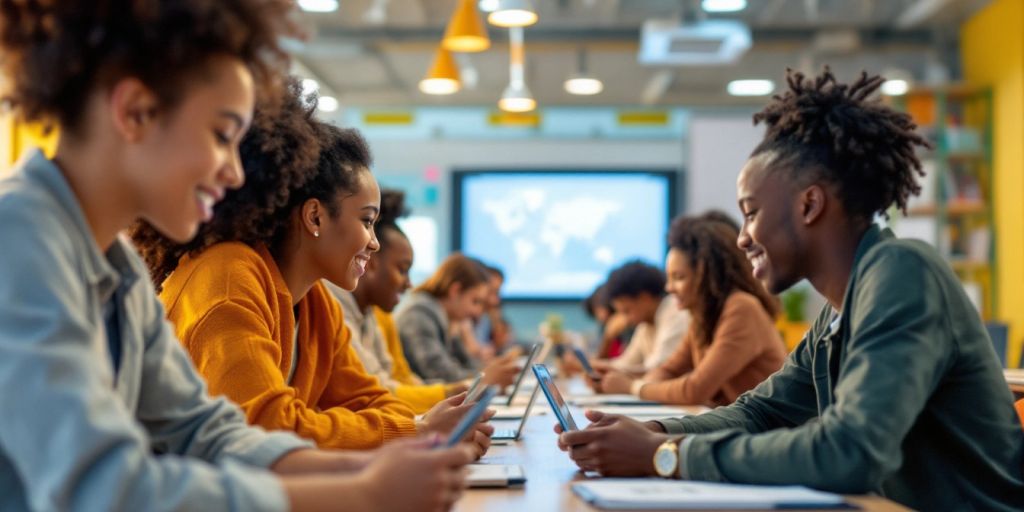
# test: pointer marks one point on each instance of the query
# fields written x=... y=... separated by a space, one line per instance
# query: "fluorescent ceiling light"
x=895 y=87
x=319 y=5
x=583 y=86
x=327 y=103
x=488 y=5
x=750 y=87
x=723 y=5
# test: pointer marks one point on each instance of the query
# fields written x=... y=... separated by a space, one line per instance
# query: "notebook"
x=496 y=475
x=658 y=494
x=610 y=399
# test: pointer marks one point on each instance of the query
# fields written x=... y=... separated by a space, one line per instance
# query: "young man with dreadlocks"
x=896 y=389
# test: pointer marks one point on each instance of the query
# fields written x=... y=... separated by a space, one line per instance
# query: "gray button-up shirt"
x=900 y=395
x=75 y=435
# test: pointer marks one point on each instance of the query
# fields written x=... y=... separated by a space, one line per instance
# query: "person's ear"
x=454 y=290
x=812 y=201
x=133 y=108
x=311 y=213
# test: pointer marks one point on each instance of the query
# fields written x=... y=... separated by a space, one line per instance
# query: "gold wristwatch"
x=666 y=458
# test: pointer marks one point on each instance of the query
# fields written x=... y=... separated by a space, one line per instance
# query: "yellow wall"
x=16 y=138
x=992 y=46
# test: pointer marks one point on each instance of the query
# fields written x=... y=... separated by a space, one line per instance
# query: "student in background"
x=637 y=291
x=731 y=345
x=491 y=329
x=430 y=320
x=613 y=329
x=102 y=409
x=246 y=299
x=896 y=389
x=368 y=310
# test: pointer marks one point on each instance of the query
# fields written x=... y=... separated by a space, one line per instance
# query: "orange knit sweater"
x=233 y=312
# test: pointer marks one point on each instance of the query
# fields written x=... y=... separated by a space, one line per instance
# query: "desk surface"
x=550 y=471
x=1015 y=379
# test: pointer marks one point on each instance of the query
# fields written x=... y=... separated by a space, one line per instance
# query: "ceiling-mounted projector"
x=704 y=43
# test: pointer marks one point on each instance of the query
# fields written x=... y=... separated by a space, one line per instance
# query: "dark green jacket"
x=902 y=397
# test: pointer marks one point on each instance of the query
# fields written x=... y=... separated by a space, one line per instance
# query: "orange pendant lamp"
x=443 y=77
x=466 y=31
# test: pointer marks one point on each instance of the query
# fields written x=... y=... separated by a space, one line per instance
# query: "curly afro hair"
x=635 y=278
x=288 y=159
x=822 y=130
x=719 y=268
x=392 y=208
x=56 y=53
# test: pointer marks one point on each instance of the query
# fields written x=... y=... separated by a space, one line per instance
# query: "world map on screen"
x=557 y=235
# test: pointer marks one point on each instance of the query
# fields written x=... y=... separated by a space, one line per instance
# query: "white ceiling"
x=379 y=63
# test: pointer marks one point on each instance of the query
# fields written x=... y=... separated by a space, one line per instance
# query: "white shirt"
x=652 y=344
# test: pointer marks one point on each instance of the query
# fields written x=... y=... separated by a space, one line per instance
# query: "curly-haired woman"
x=731 y=345
x=102 y=409
x=246 y=295
x=895 y=390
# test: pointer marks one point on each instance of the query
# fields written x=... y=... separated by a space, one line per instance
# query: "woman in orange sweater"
x=246 y=298
x=732 y=344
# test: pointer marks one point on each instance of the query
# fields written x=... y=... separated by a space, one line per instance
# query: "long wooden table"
x=549 y=473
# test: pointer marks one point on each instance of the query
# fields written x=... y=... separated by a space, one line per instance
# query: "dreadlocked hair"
x=820 y=129
x=392 y=208
x=719 y=268
x=288 y=159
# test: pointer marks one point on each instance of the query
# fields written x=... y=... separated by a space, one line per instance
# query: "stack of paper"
x=655 y=494
x=496 y=475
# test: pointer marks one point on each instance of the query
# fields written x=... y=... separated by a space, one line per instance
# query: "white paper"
x=639 y=494
x=495 y=475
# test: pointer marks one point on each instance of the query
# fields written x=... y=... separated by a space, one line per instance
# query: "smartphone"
x=475 y=388
x=473 y=416
x=558 y=405
x=582 y=356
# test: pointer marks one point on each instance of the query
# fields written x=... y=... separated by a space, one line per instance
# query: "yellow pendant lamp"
x=443 y=77
x=466 y=31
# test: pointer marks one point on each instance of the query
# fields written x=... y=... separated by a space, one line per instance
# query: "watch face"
x=665 y=461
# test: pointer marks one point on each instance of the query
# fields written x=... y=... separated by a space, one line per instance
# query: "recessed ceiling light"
x=895 y=87
x=750 y=87
x=327 y=103
x=318 y=5
x=723 y=5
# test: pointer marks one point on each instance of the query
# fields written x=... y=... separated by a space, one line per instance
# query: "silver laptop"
x=509 y=434
x=522 y=373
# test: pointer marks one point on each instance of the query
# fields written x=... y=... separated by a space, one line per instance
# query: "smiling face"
x=387 y=276
x=347 y=239
x=186 y=158
x=768 y=236
x=466 y=304
x=680 y=278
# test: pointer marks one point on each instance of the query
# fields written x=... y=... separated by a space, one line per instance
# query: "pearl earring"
x=316 y=234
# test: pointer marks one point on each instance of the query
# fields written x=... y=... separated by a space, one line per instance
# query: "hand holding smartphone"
x=475 y=388
x=587 y=368
x=472 y=417
x=558 y=405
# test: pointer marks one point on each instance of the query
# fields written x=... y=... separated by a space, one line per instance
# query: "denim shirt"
x=900 y=394
x=75 y=434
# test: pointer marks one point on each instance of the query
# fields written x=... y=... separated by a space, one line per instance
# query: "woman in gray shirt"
x=101 y=408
